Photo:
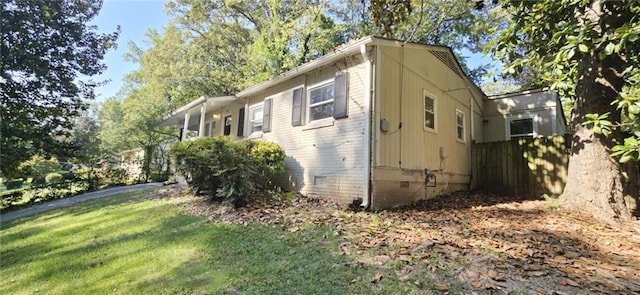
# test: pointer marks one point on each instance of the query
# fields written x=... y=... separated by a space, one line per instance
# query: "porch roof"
x=193 y=108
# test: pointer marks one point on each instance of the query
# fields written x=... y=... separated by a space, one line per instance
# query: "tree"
x=458 y=24
x=258 y=39
x=46 y=48
x=590 y=51
x=110 y=132
x=83 y=139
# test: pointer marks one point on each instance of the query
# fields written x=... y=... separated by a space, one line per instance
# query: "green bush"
x=14 y=184
x=269 y=160
x=115 y=175
x=53 y=177
x=38 y=180
x=93 y=178
x=8 y=198
x=229 y=170
x=38 y=165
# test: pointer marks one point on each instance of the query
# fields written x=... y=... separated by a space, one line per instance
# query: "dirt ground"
x=479 y=243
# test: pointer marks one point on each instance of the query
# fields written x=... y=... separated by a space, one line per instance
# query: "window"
x=430 y=107
x=522 y=127
x=227 y=125
x=320 y=102
x=256 y=115
x=460 y=126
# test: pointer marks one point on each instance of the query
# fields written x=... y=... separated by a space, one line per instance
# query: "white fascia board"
x=339 y=53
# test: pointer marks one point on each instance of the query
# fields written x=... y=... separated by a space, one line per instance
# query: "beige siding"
x=540 y=105
x=403 y=153
x=322 y=159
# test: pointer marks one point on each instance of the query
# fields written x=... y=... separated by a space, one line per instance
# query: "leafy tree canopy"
x=589 y=51
x=46 y=48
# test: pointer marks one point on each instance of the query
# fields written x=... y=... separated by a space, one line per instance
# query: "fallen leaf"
x=565 y=282
x=405 y=258
x=404 y=278
x=441 y=287
x=476 y=284
x=537 y=273
x=376 y=277
x=294 y=229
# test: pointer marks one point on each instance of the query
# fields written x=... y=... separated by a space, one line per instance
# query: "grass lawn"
x=131 y=243
x=151 y=242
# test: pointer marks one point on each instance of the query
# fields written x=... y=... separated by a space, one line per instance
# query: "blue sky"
x=135 y=17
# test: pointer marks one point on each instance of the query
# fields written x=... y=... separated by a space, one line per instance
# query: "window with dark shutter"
x=266 y=119
x=296 y=113
x=340 y=96
x=241 y=122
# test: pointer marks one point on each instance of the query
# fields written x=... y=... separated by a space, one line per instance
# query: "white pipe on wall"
x=366 y=196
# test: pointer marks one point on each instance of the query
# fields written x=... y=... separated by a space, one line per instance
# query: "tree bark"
x=595 y=181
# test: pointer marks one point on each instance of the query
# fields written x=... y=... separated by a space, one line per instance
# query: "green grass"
x=129 y=244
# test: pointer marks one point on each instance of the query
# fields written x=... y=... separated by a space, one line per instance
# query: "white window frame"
x=463 y=126
x=534 y=122
x=251 y=121
x=308 y=104
x=426 y=94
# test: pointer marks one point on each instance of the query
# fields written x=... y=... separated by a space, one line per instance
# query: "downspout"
x=366 y=200
x=473 y=137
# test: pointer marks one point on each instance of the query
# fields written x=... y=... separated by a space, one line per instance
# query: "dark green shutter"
x=266 y=116
x=241 y=122
x=296 y=113
x=340 y=100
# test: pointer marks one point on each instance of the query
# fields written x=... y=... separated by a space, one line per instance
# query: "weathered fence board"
x=526 y=167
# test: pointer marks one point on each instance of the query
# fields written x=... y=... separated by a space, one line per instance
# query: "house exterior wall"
x=325 y=157
x=543 y=106
x=402 y=153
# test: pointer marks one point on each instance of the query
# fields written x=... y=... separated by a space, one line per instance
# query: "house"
x=530 y=113
x=378 y=121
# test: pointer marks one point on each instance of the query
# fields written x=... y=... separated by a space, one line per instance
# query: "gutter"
x=366 y=200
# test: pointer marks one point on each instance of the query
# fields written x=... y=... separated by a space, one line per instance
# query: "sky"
x=135 y=17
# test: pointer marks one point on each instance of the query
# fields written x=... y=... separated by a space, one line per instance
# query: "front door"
x=227 y=125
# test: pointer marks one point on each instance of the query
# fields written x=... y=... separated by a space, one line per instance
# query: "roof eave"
x=338 y=54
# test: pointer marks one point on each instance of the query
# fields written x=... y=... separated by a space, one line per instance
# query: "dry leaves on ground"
x=479 y=241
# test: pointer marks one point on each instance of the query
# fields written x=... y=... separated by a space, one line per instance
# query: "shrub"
x=269 y=160
x=38 y=165
x=93 y=178
x=7 y=199
x=14 y=184
x=38 y=180
x=53 y=177
x=115 y=175
x=228 y=170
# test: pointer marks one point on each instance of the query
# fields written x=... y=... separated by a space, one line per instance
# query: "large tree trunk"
x=595 y=181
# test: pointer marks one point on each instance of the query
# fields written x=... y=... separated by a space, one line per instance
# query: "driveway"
x=66 y=202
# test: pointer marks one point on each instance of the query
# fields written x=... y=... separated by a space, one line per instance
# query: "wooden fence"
x=527 y=167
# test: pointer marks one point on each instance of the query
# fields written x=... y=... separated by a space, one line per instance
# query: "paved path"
x=73 y=200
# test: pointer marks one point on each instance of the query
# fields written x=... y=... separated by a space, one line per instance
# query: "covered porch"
x=206 y=116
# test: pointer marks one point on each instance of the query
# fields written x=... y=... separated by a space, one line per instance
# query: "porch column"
x=203 y=112
x=185 y=129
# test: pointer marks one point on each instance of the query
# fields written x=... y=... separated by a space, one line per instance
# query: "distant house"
x=530 y=113
x=378 y=121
